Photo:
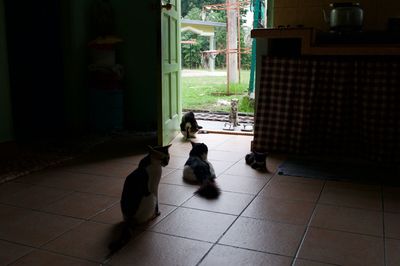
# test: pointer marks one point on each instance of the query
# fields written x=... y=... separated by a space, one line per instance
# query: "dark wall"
x=6 y=128
x=35 y=67
x=48 y=64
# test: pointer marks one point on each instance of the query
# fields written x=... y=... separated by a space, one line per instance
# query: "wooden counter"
x=309 y=44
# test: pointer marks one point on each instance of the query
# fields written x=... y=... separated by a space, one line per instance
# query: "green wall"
x=76 y=36
x=138 y=24
x=5 y=105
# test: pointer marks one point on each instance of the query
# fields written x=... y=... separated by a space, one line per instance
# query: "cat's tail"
x=209 y=190
x=123 y=238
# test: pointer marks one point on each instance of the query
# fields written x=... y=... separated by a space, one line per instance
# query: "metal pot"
x=345 y=17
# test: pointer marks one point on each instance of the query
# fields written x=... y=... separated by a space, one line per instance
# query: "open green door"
x=171 y=65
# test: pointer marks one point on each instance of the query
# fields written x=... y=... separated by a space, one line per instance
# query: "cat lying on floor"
x=189 y=126
x=139 y=200
x=199 y=170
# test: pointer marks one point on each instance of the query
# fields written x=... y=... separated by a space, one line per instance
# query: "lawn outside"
x=207 y=91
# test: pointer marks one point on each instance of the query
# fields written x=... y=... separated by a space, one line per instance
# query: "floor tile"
x=240 y=184
x=44 y=258
x=107 y=186
x=111 y=215
x=227 y=202
x=158 y=249
x=342 y=248
x=297 y=179
x=103 y=168
x=287 y=211
x=89 y=241
x=173 y=194
x=195 y=224
x=360 y=221
x=302 y=262
x=10 y=252
x=364 y=199
x=225 y=255
x=36 y=197
x=392 y=222
x=220 y=166
x=391 y=197
x=392 y=252
x=177 y=162
x=81 y=205
x=266 y=236
x=227 y=156
x=242 y=169
x=9 y=189
x=175 y=178
x=32 y=228
x=292 y=191
x=274 y=161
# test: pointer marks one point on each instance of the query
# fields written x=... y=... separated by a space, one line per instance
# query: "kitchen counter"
x=309 y=41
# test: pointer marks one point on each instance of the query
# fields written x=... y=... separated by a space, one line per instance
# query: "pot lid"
x=347 y=4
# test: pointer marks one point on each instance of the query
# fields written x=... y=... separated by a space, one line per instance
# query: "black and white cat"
x=199 y=170
x=189 y=126
x=139 y=200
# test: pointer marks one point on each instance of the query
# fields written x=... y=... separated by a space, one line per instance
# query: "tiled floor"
x=67 y=215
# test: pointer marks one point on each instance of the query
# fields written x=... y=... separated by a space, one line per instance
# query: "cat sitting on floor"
x=233 y=115
x=139 y=200
x=199 y=170
x=257 y=160
x=189 y=126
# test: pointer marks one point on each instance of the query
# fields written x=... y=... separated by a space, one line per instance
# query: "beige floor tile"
x=158 y=249
x=107 y=186
x=175 y=178
x=81 y=205
x=360 y=221
x=302 y=262
x=36 y=197
x=297 y=179
x=8 y=189
x=10 y=252
x=227 y=156
x=392 y=225
x=392 y=252
x=103 y=168
x=227 y=202
x=224 y=255
x=32 y=228
x=342 y=248
x=266 y=236
x=177 y=162
x=365 y=199
x=195 y=224
x=111 y=215
x=391 y=199
x=241 y=184
x=89 y=241
x=220 y=166
x=352 y=185
x=292 y=191
x=44 y=258
x=287 y=211
x=242 y=169
x=173 y=194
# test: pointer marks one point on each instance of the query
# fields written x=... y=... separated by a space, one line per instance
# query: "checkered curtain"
x=329 y=106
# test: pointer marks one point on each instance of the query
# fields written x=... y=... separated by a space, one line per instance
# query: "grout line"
x=384 y=228
x=234 y=221
x=308 y=225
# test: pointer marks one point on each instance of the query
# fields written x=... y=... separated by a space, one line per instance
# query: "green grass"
x=209 y=93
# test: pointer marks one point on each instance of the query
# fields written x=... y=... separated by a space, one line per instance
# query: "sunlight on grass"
x=209 y=93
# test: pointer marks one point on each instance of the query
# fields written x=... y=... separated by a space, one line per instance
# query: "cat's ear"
x=193 y=143
x=167 y=147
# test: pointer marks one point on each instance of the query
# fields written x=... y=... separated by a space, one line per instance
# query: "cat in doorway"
x=233 y=116
x=189 y=126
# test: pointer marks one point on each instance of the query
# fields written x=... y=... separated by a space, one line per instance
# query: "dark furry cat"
x=257 y=160
x=139 y=200
x=189 y=126
x=198 y=169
